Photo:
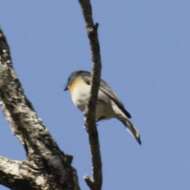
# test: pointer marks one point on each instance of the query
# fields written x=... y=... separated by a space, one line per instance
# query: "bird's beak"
x=66 y=88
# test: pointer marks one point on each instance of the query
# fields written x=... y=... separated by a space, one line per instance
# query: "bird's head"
x=73 y=76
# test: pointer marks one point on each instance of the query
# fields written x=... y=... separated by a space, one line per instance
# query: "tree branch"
x=9 y=171
x=94 y=183
x=18 y=175
x=42 y=151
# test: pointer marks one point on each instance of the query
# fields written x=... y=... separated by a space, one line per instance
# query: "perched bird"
x=108 y=105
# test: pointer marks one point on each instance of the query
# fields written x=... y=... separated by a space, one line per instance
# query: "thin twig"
x=94 y=183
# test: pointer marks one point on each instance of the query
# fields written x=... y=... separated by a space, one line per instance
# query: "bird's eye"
x=88 y=82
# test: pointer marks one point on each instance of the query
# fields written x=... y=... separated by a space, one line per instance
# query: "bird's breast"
x=80 y=93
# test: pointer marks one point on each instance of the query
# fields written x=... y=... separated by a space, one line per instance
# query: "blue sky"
x=145 y=54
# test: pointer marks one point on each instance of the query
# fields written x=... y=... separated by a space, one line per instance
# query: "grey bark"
x=46 y=167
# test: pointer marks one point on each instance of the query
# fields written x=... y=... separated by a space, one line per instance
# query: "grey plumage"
x=108 y=104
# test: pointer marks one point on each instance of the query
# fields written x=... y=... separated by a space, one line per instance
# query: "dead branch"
x=95 y=182
x=44 y=157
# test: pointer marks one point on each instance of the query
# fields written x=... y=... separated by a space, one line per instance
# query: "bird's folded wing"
x=106 y=89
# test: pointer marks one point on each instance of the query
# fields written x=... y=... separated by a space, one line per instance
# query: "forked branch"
x=44 y=157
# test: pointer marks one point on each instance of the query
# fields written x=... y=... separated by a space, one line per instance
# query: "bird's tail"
x=135 y=133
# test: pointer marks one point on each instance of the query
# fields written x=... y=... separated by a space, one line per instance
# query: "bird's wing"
x=106 y=89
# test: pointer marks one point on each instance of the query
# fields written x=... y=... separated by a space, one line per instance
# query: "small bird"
x=108 y=105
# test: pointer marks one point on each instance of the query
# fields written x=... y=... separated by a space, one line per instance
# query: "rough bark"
x=46 y=166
